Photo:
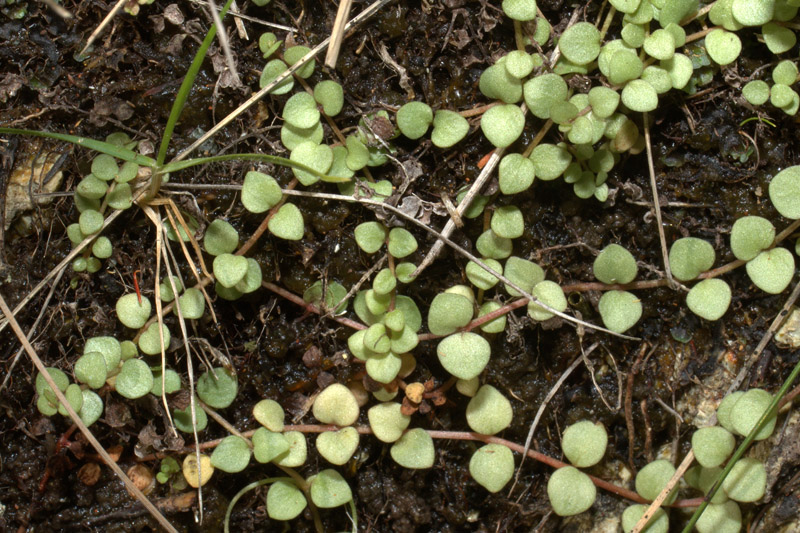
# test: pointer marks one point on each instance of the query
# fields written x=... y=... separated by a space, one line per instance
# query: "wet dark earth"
x=706 y=179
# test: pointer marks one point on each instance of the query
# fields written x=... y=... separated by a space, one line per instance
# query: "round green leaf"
x=489 y=412
x=464 y=355
x=680 y=70
x=183 y=419
x=507 y=222
x=401 y=243
x=748 y=409
x=102 y=248
x=480 y=277
x=171 y=382
x=287 y=223
x=336 y=405
x=778 y=38
x=267 y=445
x=519 y=63
x=293 y=54
x=105 y=167
x=550 y=294
x=570 y=491
x=752 y=12
x=785 y=72
x=330 y=96
x=604 y=101
x=490 y=244
x=502 y=124
x=269 y=414
x=217 y=388
x=497 y=83
x=584 y=443
x=337 y=447
x=131 y=312
x=90 y=222
x=414 y=118
x=623 y=66
x=448 y=312
x=520 y=9
x=620 y=310
x=220 y=238
x=316 y=156
x=638 y=95
x=383 y=367
x=414 y=449
x=724 y=410
x=723 y=46
x=750 y=235
x=580 y=43
x=784 y=192
x=756 y=92
x=91 y=369
x=542 y=92
x=272 y=70
x=284 y=500
x=652 y=479
x=109 y=347
x=329 y=489
x=260 y=192
x=709 y=299
x=91 y=187
x=300 y=111
x=231 y=455
x=291 y=137
x=388 y=421
x=298 y=450
x=229 y=269
x=192 y=304
x=712 y=445
x=370 y=236
x=150 y=340
x=720 y=518
x=492 y=466
x=550 y=161
x=771 y=270
x=615 y=264
x=134 y=380
x=448 y=128
x=747 y=480
x=497 y=325
x=525 y=274
x=660 y=44
x=121 y=197
x=689 y=257
x=92 y=407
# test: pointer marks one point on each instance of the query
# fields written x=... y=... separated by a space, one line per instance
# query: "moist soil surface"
x=709 y=167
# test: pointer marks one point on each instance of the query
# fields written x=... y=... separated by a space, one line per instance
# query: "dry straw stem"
x=656 y=206
x=364 y=15
x=78 y=422
x=337 y=33
x=111 y=14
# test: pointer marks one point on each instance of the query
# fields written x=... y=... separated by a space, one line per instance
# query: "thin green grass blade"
x=186 y=87
x=92 y=144
x=274 y=159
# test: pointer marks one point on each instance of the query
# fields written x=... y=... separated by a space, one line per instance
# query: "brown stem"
x=450 y=435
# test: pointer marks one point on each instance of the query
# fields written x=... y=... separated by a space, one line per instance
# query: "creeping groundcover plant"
x=396 y=363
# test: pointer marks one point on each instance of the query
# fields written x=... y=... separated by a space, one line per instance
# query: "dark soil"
x=128 y=83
